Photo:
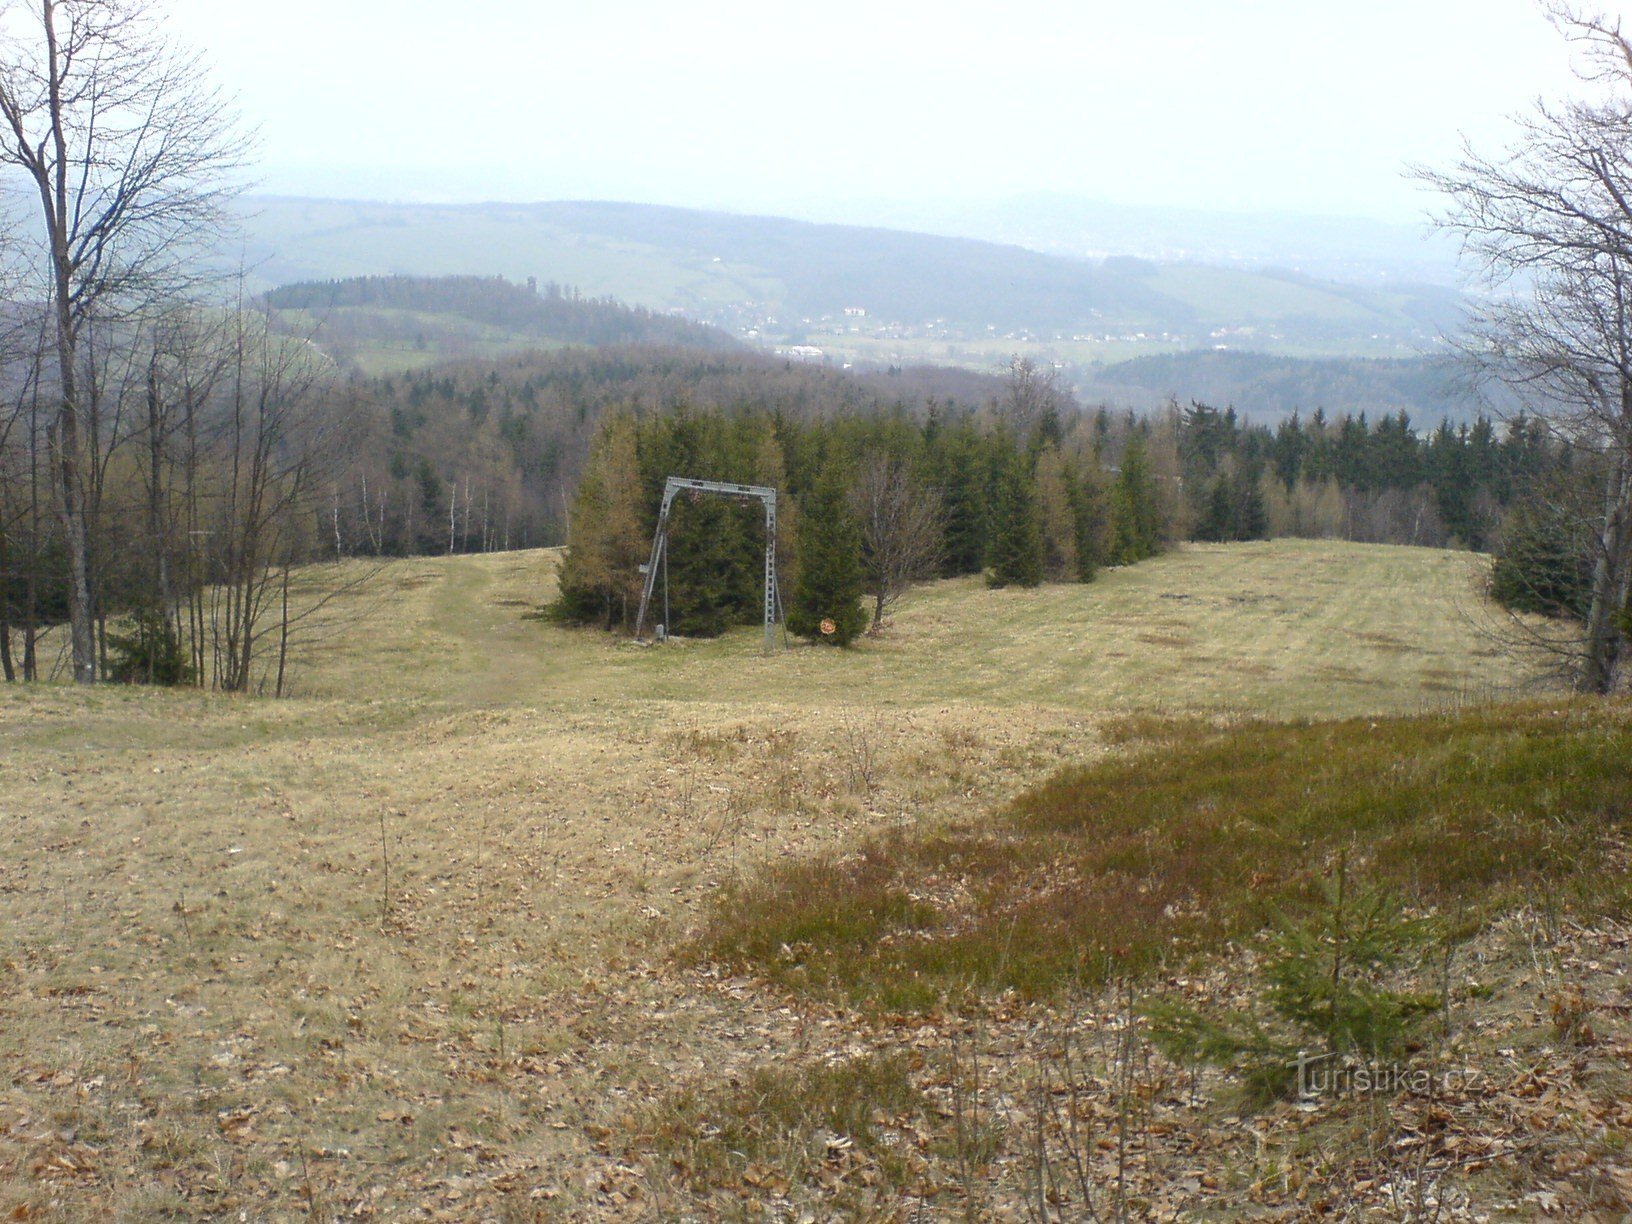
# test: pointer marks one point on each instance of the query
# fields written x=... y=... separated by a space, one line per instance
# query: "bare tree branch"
x=900 y=532
x=1548 y=223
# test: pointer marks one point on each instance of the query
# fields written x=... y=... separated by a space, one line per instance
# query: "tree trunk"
x=283 y=633
x=31 y=580
x=8 y=668
x=64 y=436
x=155 y=490
x=65 y=441
x=88 y=391
x=191 y=546
x=1610 y=572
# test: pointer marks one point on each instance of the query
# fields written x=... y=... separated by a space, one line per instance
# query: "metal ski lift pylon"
x=695 y=490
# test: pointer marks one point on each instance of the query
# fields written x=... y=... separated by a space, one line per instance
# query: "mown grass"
x=1141 y=863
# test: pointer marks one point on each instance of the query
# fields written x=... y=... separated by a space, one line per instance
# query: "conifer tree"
x=1136 y=507
x=1091 y=506
x=963 y=502
x=1543 y=563
x=1016 y=552
x=1251 y=514
x=715 y=553
x=1056 y=508
x=826 y=602
x=715 y=562
x=1217 y=521
x=600 y=578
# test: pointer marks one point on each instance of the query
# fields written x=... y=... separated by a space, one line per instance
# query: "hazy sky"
x=1291 y=105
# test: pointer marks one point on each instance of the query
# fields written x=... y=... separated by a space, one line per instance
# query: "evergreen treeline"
x=1023 y=497
x=1009 y=502
x=476 y=456
x=1377 y=482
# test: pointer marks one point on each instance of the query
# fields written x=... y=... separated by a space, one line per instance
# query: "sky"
x=831 y=110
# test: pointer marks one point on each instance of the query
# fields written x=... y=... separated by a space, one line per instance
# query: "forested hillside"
x=388 y=324
x=408 y=321
x=480 y=455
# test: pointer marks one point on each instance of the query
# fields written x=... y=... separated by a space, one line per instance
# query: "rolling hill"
x=1358 y=249
x=1268 y=387
x=779 y=280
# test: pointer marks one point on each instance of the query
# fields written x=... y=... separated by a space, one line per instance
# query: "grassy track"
x=1288 y=628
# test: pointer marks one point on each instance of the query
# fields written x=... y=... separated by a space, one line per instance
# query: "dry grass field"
x=399 y=946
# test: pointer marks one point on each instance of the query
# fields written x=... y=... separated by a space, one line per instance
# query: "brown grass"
x=212 y=1002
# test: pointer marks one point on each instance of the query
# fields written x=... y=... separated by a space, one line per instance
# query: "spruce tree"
x=1136 y=506
x=826 y=602
x=963 y=502
x=1094 y=526
x=1251 y=513
x=715 y=561
x=1217 y=520
x=1016 y=551
x=1543 y=562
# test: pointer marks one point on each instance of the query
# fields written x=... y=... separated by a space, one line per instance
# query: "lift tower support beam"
x=676 y=485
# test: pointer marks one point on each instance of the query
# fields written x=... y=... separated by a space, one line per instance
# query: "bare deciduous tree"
x=1032 y=394
x=900 y=531
x=273 y=430
x=1549 y=223
x=127 y=152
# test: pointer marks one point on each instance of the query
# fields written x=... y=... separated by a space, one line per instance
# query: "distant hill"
x=1267 y=387
x=1349 y=249
x=380 y=323
x=775 y=280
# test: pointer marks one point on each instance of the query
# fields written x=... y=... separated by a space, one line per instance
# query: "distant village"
x=833 y=339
